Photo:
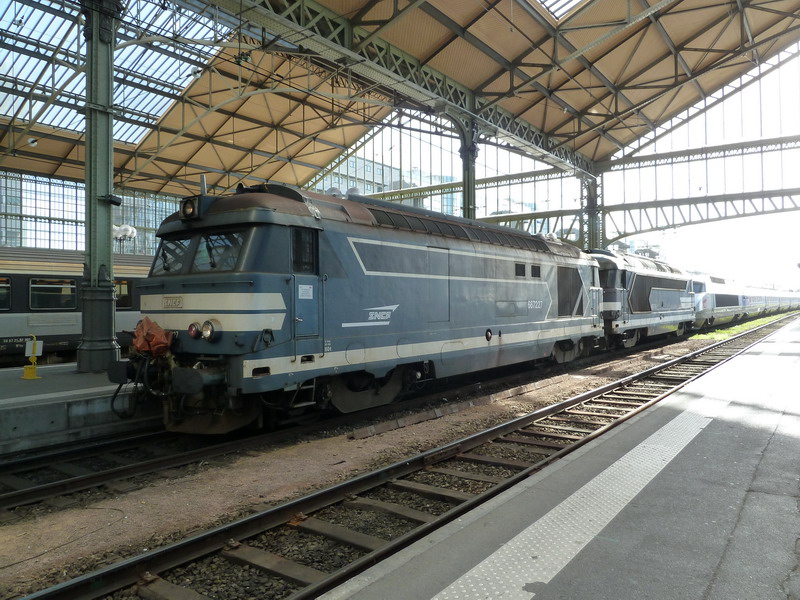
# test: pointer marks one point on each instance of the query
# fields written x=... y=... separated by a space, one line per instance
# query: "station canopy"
x=276 y=90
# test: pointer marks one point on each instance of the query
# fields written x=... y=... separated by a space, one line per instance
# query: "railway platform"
x=696 y=498
x=62 y=406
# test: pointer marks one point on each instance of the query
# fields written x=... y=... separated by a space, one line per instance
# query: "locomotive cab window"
x=5 y=293
x=536 y=271
x=519 y=270
x=172 y=254
x=698 y=287
x=304 y=251
x=218 y=251
x=53 y=294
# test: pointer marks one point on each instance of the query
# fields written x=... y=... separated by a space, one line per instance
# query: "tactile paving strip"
x=539 y=552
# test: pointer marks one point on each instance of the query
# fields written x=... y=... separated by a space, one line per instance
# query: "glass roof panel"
x=44 y=55
x=559 y=8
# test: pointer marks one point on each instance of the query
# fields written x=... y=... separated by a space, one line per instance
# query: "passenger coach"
x=40 y=296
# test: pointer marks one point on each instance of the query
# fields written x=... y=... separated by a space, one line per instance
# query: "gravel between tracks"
x=45 y=549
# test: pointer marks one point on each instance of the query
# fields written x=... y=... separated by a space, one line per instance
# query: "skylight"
x=559 y=8
x=43 y=63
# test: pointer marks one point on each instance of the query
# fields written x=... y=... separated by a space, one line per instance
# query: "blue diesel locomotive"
x=282 y=301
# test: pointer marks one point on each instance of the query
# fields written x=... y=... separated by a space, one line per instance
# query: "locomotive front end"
x=215 y=300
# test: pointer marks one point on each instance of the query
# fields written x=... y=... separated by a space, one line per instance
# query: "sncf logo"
x=380 y=315
x=377 y=315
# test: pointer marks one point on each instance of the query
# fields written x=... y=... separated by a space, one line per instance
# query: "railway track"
x=305 y=547
x=55 y=477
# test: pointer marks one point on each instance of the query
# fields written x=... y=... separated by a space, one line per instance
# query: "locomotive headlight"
x=194 y=330
x=189 y=208
x=211 y=330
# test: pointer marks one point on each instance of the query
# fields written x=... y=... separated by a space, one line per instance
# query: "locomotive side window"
x=218 y=251
x=608 y=278
x=5 y=293
x=171 y=256
x=50 y=294
x=519 y=270
x=536 y=271
x=698 y=287
x=304 y=251
x=122 y=287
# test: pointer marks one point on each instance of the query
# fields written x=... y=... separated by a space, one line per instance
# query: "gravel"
x=305 y=548
x=221 y=579
x=380 y=525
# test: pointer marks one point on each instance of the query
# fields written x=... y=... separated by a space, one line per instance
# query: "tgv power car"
x=282 y=300
x=719 y=301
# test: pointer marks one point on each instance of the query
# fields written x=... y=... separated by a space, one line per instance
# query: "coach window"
x=536 y=271
x=53 y=294
x=123 y=293
x=304 y=251
x=5 y=293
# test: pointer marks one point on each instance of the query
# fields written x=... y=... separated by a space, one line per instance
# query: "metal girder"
x=49 y=52
x=671 y=45
x=624 y=220
x=616 y=29
x=723 y=59
x=509 y=66
x=333 y=37
x=190 y=185
x=791 y=142
x=632 y=219
x=566 y=224
x=678 y=121
x=457 y=187
x=555 y=34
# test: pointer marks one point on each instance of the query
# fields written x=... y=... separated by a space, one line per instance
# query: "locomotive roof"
x=635 y=261
x=306 y=208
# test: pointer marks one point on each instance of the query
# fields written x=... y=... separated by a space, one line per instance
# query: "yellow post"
x=33 y=349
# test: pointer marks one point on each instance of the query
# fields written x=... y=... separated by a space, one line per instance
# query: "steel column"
x=99 y=345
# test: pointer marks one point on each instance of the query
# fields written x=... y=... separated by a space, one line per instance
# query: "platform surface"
x=55 y=383
x=65 y=406
x=696 y=498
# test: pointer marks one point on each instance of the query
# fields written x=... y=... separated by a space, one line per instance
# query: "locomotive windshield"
x=198 y=253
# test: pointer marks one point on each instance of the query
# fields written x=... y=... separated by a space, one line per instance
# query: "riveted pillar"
x=592 y=235
x=469 y=155
x=99 y=344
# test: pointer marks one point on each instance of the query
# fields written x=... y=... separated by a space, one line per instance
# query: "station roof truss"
x=276 y=90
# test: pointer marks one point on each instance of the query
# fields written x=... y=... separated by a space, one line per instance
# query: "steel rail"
x=131 y=570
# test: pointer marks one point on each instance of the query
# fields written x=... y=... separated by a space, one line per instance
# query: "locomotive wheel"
x=565 y=351
x=630 y=339
x=345 y=400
